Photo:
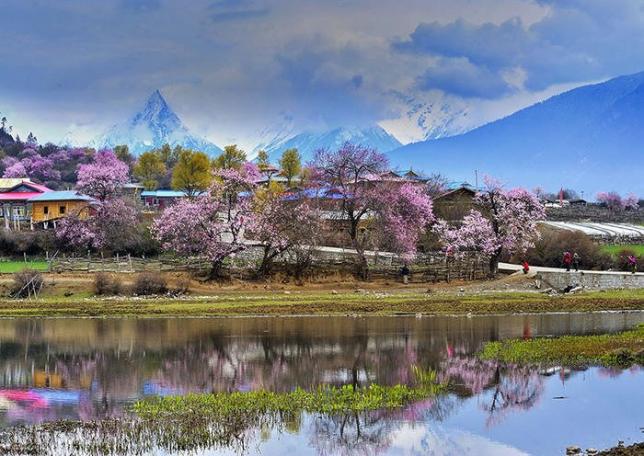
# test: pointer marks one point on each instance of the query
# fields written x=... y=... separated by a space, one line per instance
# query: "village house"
x=15 y=200
x=54 y=205
x=157 y=200
x=455 y=203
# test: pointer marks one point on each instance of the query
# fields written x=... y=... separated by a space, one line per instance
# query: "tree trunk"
x=494 y=265
x=216 y=270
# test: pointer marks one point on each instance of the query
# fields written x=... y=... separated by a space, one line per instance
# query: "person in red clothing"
x=567 y=260
x=526 y=266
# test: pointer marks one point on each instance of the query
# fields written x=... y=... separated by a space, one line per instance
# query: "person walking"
x=404 y=272
x=632 y=263
x=576 y=260
x=526 y=266
x=567 y=260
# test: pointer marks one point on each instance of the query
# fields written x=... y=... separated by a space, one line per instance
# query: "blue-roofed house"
x=54 y=205
x=160 y=199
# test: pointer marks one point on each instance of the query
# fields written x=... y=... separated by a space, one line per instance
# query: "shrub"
x=27 y=283
x=548 y=251
x=106 y=284
x=148 y=283
x=182 y=286
x=15 y=243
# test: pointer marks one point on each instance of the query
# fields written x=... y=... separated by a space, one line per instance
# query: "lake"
x=91 y=369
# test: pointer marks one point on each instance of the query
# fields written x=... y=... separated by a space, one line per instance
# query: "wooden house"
x=51 y=206
x=454 y=204
x=15 y=201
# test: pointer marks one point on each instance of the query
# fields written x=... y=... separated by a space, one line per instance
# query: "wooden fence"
x=429 y=267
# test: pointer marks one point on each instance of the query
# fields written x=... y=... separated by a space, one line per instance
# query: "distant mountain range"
x=152 y=127
x=590 y=138
x=309 y=142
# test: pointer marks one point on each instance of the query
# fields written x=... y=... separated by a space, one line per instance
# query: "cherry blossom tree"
x=509 y=225
x=612 y=200
x=209 y=225
x=113 y=226
x=103 y=177
x=282 y=223
x=404 y=212
x=353 y=174
x=631 y=202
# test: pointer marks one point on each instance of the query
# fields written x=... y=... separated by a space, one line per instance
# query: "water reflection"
x=92 y=369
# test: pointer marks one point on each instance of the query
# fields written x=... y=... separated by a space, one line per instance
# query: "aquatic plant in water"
x=199 y=421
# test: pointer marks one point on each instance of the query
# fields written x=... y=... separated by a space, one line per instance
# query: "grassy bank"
x=613 y=249
x=621 y=349
x=10 y=267
x=241 y=303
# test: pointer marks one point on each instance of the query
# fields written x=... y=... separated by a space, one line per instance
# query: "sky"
x=232 y=69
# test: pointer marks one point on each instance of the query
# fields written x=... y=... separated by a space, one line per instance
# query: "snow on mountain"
x=152 y=127
x=309 y=142
x=431 y=117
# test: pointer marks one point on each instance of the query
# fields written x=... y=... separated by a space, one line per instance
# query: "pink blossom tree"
x=631 y=202
x=352 y=175
x=103 y=177
x=611 y=200
x=404 y=212
x=113 y=226
x=210 y=225
x=281 y=224
x=509 y=225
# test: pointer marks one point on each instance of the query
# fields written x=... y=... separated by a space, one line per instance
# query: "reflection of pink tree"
x=512 y=387
x=351 y=434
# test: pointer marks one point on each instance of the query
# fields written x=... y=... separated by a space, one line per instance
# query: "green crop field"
x=615 y=249
x=9 y=267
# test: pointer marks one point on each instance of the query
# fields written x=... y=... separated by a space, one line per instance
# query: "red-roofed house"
x=14 y=202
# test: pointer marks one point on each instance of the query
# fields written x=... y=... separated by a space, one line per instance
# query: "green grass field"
x=615 y=249
x=9 y=267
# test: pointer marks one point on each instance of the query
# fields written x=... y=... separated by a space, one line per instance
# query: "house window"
x=45 y=210
x=18 y=211
x=62 y=210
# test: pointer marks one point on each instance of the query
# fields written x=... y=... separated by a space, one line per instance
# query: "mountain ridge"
x=584 y=138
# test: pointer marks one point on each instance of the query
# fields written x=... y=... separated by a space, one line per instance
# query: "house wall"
x=453 y=206
x=55 y=210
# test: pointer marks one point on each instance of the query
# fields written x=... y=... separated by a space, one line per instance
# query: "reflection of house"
x=51 y=206
x=16 y=200
x=160 y=199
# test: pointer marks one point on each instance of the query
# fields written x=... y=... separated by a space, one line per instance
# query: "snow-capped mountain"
x=152 y=127
x=308 y=142
x=274 y=137
x=432 y=117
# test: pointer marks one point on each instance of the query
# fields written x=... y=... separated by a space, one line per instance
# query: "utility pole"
x=476 y=179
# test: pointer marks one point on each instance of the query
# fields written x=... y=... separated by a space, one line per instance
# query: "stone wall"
x=591 y=279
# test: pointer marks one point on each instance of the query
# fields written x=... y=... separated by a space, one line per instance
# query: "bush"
x=106 y=284
x=27 y=283
x=15 y=243
x=148 y=283
x=548 y=251
x=182 y=286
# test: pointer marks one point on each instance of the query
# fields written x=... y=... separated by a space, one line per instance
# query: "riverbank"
x=374 y=301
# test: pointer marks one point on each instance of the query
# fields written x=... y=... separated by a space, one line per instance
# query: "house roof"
x=10 y=182
x=62 y=195
x=163 y=193
x=457 y=190
x=12 y=195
